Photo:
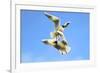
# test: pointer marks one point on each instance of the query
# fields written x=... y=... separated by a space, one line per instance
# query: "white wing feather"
x=53 y=18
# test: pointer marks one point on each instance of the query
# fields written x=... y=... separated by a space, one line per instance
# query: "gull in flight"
x=57 y=36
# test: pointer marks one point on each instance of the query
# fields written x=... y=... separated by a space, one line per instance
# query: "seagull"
x=57 y=40
x=59 y=29
x=61 y=46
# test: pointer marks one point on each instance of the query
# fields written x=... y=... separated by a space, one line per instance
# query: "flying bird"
x=57 y=40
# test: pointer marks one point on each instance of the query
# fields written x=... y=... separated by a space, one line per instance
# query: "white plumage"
x=61 y=46
x=57 y=36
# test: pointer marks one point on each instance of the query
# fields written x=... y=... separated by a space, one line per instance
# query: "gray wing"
x=53 y=18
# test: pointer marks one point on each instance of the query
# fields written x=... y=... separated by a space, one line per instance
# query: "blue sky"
x=35 y=26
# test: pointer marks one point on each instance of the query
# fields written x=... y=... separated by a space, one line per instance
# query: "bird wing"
x=64 y=48
x=50 y=42
x=65 y=25
x=53 y=18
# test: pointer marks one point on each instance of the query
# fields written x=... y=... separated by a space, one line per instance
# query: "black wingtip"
x=65 y=25
x=47 y=14
x=45 y=41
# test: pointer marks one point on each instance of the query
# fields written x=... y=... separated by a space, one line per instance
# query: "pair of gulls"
x=57 y=40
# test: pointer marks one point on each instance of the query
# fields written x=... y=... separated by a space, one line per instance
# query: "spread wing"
x=53 y=18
